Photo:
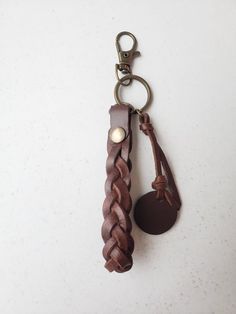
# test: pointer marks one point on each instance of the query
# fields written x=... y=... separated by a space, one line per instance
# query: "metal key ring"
x=137 y=78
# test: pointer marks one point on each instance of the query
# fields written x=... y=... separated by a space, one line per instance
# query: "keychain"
x=155 y=212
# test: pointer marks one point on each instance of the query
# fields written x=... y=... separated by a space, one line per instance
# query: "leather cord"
x=163 y=184
x=116 y=228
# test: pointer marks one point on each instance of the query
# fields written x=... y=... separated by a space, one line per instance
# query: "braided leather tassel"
x=119 y=244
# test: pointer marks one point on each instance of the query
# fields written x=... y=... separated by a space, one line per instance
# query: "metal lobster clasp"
x=126 y=57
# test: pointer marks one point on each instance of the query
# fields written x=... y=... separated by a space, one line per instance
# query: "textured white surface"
x=56 y=85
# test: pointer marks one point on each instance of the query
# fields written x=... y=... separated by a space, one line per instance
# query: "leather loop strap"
x=116 y=228
x=163 y=184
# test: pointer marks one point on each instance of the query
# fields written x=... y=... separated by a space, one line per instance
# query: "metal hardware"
x=126 y=57
x=117 y=135
x=142 y=81
x=119 y=78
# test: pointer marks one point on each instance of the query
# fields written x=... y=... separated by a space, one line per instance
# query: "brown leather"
x=119 y=244
x=163 y=184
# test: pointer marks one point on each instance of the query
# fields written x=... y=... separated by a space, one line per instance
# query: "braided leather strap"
x=119 y=244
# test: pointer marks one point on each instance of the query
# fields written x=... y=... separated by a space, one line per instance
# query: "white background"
x=56 y=86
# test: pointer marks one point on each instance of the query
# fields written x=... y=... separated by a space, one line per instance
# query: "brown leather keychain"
x=155 y=212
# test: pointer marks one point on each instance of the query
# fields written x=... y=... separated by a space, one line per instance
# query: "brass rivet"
x=117 y=135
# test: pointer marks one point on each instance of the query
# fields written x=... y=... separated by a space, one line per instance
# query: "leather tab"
x=120 y=117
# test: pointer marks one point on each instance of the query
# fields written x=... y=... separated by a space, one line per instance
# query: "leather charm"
x=116 y=228
x=156 y=211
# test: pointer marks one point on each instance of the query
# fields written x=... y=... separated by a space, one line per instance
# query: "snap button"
x=117 y=135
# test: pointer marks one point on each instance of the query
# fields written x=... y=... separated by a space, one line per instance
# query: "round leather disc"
x=154 y=216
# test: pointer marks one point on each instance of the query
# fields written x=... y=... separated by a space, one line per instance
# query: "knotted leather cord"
x=119 y=244
x=163 y=184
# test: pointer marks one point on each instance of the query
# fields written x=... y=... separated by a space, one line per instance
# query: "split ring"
x=137 y=78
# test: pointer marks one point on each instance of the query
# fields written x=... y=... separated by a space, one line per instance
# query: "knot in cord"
x=159 y=183
x=145 y=124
